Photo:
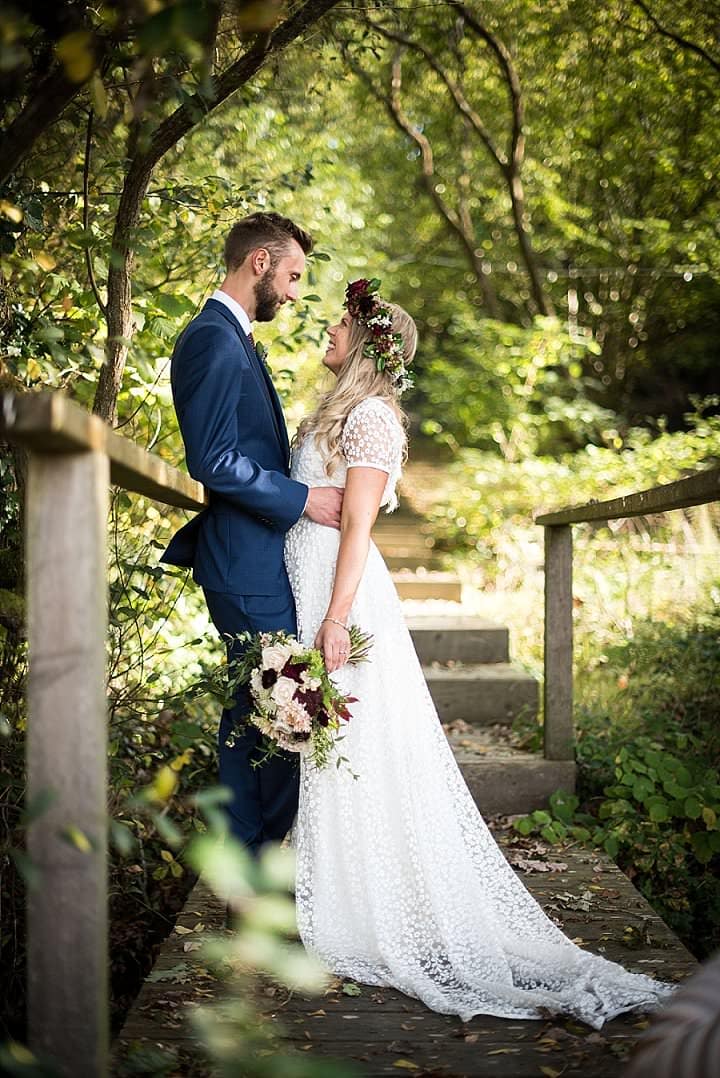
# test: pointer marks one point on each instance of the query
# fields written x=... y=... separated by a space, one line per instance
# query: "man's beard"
x=267 y=300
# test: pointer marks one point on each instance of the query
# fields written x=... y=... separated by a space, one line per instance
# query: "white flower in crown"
x=385 y=348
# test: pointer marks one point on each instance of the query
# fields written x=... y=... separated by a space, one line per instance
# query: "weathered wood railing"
x=697 y=489
x=73 y=457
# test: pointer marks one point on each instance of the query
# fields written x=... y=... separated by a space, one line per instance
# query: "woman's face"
x=337 y=349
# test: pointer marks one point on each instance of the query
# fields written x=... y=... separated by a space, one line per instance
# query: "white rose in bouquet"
x=275 y=657
x=284 y=690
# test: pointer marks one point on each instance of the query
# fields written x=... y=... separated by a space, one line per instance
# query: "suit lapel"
x=275 y=401
x=262 y=376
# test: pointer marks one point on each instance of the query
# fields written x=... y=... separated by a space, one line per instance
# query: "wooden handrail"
x=73 y=457
x=693 y=490
x=52 y=423
x=697 y=489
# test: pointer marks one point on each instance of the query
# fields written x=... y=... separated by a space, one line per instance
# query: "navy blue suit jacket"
x=236 y=445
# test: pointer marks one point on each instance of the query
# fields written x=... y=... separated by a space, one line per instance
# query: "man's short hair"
x=269 y=230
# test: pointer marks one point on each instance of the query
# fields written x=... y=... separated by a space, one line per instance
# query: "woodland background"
x=538 y=184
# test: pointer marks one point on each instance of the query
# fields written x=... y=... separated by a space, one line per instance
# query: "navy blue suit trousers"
x=265 y=797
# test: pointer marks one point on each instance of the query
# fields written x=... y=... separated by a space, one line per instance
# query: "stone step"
x=411 y=562
x=459 y=640
x=521 y=784
x=482 y=694
x=501 y=778
x=428 y=585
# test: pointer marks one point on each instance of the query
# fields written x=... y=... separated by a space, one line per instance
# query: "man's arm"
x=208 y=391
x=209 y=385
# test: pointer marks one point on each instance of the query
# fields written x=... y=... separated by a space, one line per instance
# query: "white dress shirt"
x=236 y=308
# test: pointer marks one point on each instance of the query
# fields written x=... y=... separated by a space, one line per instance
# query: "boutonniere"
x=261 y=353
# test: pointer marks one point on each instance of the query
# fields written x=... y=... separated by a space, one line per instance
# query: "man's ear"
x=260 y=261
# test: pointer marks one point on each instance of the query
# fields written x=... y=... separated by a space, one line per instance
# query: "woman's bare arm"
x=363 y=493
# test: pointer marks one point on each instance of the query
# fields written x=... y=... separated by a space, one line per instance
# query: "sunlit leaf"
x=76 y=53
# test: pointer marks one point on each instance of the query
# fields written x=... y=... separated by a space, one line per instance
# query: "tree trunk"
x=168 y=134
x=120 y=326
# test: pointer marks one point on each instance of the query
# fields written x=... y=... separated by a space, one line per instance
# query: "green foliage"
x=492 y=384
x=648 y=758
x=488 y=504
x=541 y=412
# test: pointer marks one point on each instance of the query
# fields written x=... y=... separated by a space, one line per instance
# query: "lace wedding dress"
x=399 y=881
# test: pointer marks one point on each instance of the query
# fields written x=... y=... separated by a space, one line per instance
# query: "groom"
x=236 y=445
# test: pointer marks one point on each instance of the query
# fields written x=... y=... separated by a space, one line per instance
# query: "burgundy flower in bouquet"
x=295 y=703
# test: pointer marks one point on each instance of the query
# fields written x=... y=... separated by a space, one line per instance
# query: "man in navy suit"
x=236 y=445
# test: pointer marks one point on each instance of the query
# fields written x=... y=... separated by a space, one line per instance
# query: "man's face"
x=279 y=283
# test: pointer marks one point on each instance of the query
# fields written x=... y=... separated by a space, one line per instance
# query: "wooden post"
x=66 y=522
x=558 y=687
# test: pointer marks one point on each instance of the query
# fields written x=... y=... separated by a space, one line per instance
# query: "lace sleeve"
x=372 y=437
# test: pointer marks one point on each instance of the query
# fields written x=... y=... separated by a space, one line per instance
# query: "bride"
x=399 y=881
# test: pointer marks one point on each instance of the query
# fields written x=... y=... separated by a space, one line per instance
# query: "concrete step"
x=482 y=694
x=459 y=640
x=428 y=585
x=411 y=562
x=521 y=784
x=505 y=780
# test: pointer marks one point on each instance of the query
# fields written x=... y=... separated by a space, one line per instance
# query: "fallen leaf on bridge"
x=526 y=864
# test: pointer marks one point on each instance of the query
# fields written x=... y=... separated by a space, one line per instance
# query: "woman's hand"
x=334 y=642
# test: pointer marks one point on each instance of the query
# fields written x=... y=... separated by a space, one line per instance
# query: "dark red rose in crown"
x=358 y=298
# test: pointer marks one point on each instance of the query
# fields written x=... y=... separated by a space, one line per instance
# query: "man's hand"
x=324 y=505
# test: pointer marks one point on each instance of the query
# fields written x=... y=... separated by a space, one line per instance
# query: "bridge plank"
x=381 y=1026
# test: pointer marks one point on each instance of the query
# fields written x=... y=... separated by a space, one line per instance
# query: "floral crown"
x=385 y=348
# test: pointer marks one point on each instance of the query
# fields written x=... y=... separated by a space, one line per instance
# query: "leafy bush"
x=487 y=504
x=648 y=777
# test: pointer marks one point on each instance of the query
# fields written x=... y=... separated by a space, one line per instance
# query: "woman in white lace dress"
x=399 y=881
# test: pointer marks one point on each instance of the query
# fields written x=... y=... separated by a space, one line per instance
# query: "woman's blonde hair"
x=357 y=379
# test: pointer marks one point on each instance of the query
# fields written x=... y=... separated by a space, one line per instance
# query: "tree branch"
x=86 y=213
x=167 y=134
x=683 y=42
x=52 y=97
x=516 y=155
x=456 y=221
x=461 y=101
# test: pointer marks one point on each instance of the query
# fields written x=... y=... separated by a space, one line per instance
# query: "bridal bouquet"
x=296 y=705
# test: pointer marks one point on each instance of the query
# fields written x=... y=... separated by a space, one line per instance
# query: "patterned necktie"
x=252 y=341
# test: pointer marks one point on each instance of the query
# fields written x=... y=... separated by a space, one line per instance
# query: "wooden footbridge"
x=73 y=457
x=384 y=1032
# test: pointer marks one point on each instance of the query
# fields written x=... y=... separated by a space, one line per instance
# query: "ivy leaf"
x=175 y=305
